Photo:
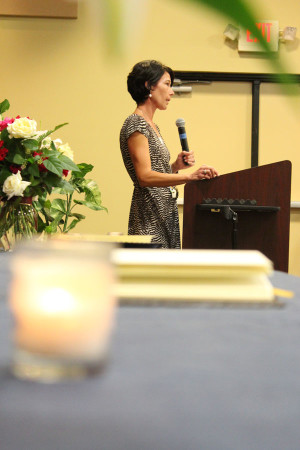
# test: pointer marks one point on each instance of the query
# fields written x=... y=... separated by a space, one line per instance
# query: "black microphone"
x=182 y=136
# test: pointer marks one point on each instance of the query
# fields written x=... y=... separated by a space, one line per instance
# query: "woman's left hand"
x=184 y=161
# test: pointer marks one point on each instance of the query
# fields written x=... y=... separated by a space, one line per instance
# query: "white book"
x=193 y=275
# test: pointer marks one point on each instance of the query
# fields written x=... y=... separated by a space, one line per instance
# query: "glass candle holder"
x=63 y=302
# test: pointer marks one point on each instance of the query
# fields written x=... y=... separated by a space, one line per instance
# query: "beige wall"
x=62 y=70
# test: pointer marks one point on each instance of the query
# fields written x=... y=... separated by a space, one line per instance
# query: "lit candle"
x=63 y=302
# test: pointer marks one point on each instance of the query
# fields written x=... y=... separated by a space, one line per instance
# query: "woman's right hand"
x=204 y=173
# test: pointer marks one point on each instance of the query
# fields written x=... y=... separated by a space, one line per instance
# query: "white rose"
x=22 y=128
x=66 y=150
x=57 y=143
x=13 y=185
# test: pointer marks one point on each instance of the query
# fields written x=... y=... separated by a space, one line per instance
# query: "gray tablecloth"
x=178 y=379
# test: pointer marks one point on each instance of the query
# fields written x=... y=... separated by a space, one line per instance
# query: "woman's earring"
x=150 y=95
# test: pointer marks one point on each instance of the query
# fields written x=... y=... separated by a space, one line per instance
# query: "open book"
x=193 y=275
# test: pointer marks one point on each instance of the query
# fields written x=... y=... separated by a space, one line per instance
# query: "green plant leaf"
x=78 y=216
x=30 y=144
x=4 y=106
x=34 y=170
x=83 y=170
x=51 y=179
x=18 y=159
x=64 y=187
x=91 y=205
x=4 y=174
x=72 y=225
x=54 y=165
x=50 y=152
x=52 y=228
x=67 y=163
x=92 y=192
x=58 y=206
x=55 y=221
x=43 y=136
x=41 y=203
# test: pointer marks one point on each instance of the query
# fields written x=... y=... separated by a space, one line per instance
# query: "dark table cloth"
x=179 y=378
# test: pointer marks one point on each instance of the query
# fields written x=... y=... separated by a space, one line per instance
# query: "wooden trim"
x=63 y=9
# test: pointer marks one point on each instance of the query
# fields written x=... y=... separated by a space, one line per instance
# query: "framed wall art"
x=64 y=9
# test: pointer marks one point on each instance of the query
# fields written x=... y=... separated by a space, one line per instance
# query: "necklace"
x=151 y=123
x=145 y=117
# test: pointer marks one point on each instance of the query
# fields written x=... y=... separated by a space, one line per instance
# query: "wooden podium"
x=249 y=209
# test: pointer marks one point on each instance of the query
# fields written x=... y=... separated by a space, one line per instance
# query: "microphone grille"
x=180 y=122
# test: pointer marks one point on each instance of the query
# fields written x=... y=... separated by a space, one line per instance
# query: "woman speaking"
x=147 y=160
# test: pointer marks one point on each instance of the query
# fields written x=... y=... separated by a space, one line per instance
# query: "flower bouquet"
x=33 y=166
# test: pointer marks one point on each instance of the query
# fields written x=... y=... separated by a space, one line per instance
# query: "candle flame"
x=57 y=300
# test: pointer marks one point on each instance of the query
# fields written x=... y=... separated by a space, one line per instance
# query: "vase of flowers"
x=33 y=168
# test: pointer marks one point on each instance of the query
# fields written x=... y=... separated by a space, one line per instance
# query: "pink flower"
x=5 y=122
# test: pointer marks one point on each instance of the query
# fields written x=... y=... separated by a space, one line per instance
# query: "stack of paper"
x=118 y=238
x=193 y=275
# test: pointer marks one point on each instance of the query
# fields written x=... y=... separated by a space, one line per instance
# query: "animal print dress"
x=153 y=209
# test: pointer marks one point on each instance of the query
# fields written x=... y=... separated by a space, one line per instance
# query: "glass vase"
x=18 y=220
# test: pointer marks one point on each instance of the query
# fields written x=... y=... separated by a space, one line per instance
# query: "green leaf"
x=78 y=183
x=58 y=205
x=52 y=228
x=41 y=224
x=53 y=165
x=72 y=225
x=51 y=179
x=34 y=170
x=4 y=106
x=50 y=152
x=78 y=216
x=4 y=173
x=92 y=192
x=67 y=163
x=18 y=159
x=91 y=205
x=30 y=144
x=64 y=187
x=43 y=136
x=83 y=170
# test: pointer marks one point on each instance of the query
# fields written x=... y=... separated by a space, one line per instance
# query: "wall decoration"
x=64 y=9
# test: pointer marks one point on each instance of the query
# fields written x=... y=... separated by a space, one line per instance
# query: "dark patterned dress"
x=153 y=209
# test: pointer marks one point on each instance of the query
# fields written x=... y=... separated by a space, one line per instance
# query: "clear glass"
x=63 y=301
x=18 y=220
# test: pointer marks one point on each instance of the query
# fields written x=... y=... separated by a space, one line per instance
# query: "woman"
x=147 y=159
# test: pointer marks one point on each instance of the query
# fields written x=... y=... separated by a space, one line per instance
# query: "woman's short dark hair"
x=143 y=76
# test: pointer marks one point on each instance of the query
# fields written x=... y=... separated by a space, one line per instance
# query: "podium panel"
x=248 y=209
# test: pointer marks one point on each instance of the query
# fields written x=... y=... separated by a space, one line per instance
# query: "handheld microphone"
x=182 y=135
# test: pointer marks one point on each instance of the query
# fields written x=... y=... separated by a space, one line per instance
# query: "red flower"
x=3 y=153
x=65 y=172
x=14 y=169
x=41 y=166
